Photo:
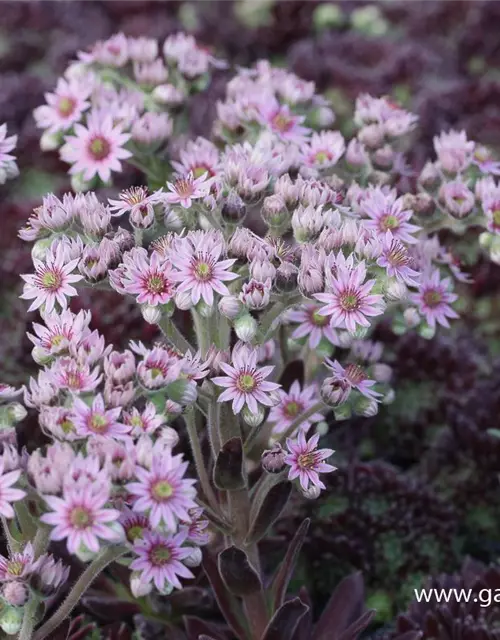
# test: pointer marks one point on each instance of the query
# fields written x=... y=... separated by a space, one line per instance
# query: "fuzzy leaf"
x=285 y=571
x=353 y=630
x=344 y=607
x=409 y=635
x=228 y=604
x=304 y=628
x=229 y=474
x=284 y=622
x=197 y=628
x=238 y=574
x=268 y=511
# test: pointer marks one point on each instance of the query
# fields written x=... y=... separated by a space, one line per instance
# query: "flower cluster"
x=275 y=240
x=117 y=102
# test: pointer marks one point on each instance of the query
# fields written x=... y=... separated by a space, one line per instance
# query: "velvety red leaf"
x=283 y=624
x=269 y=510
x=285 y=571
x=353 y=630
x=196 y=627
x=237 y=573
x=228 y=604
x=344 y=607
x=229 y=474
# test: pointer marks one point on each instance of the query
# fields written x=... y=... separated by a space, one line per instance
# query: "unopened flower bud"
x=183 y=300
x=151 y=314
x=50 y=141
x=234 y=209
x=356 y=154
x=40 y=248
x=411 y=317
x=253 y=419
x=335 y=391
x=245 y=327
x=274 y=211
x=182 y=391
x=372 y=135
x=384 y=157
x=486 y=239
x=286 y=277
x=138 y=587
x=11 y=620
x=262 y=270
x=382 y=372
x=256 y=295
x=273 y=460
x=367 y=407
x=15 y=593
x=423 y=204
x=230 y=307
x=429 y=175
x=194 y=558
x=166 y=589
x=311 y=493
x=170 y=436
x=16 y=412
x=397 y=291
x=84 y=554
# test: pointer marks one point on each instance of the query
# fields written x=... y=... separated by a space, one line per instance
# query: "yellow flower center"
x=160 y=556
x=66 y=106
x=98 y=423
x=162 y=490
x=432 y=298
x=80 y=518
x=246 y=383
x=99 y=148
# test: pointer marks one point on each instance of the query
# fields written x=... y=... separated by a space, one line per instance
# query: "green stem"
x=12 y=544
x=194 y=441
x=202 y=327
x=138 y=237
x=104 y=558
x=29 y=619
x=317 y=407
x=26 y=521
x=173 y=335
x=41 y=541
x=268 y=319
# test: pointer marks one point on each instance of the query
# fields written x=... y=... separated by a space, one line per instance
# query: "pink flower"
x=51 y=282
x=64 y=107
x=196 y=527
x=292 y=405
x=96 y=149
x=396 y=260
x=434 y=298
x=281 y=121
x=8 y=494
x=312 y=324
x=151 y=279
x=200 y=271
x=323 y=150
x=80 y=517
x=163 y=492
x=349 y=301
x=135 y=200
x=386 y=214
x=147 y=421
x=351 y=377
x=458 y=199
x=96 y=420
x=160 y=559
x=198 y=157
x=67 y=373
x=306 y=460
x=158 y=368
x=453 y=150
x=7 y=392
x=60 y=330
x=245 y=383
x=18 y=565
x=188 y=188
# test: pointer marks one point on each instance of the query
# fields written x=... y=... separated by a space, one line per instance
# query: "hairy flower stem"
x=202 y=327
x=12 y=544
x=173 y=335
x=41 y=541
x=26 y=522
x=29 y=619
x=104 y=558
x=238 y=504
x=194 y=441
x=138 y=237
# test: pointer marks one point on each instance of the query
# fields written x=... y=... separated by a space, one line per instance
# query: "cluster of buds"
x=8 y=166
